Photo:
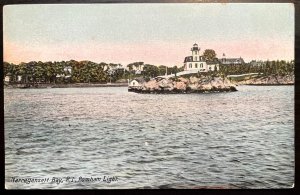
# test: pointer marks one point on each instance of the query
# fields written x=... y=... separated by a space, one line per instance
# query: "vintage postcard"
x=135 y=96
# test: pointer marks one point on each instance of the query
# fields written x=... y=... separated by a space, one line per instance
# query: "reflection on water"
x=243 y=139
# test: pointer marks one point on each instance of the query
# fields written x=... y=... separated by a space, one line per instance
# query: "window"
x=196 y=58
x=196 y=65
x=190 y=65
x=201 y=65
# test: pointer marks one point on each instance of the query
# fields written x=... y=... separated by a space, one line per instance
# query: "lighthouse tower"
x=195 y=53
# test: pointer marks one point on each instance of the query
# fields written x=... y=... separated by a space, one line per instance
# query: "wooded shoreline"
x=69 y=85
x=258 y=81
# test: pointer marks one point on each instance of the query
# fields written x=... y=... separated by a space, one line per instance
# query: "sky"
x=152 y=33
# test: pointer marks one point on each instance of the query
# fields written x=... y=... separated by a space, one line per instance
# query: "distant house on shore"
x=136 y=83
x=67 y=73
x=231 y=61
x=117 y=67
x=137 y=68
x=196 y=62
x=7 y=78
x=138 y=72
x=68 y=70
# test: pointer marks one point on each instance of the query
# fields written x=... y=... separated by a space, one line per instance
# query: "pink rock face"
x=165 y=83
x=194 y=86
x=205 y=87
x=228 y=83
x=194 y=80
x=217 y=82
x=151 y=85
x=183 y=80
x=180 y=85
x=193 y=83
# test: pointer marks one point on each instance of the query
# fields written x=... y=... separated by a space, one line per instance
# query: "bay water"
x=242 y=139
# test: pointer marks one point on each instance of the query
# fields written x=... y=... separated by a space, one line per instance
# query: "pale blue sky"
x=141 y=25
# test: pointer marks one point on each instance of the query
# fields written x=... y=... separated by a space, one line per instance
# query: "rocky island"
x=202 y=84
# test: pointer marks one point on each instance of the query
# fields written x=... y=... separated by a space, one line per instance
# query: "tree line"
x=79 y=71
x=90 y=72
x=266 y=68
x=56 y=72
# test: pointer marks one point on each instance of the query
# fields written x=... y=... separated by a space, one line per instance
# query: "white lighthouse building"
x=197 y=63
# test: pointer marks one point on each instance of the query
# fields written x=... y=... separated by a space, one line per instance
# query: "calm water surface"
x=242 y=139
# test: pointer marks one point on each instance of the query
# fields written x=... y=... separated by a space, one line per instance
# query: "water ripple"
x=227 y=140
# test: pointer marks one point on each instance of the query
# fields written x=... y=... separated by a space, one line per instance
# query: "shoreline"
x=89 y=85
x=278 y=84
x=70 y=85
x=182 y=92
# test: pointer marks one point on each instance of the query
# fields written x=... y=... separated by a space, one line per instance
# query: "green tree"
x=150 y=71
x=162 y=70
x=209 y=54
x=175 y=70
x=6 y=68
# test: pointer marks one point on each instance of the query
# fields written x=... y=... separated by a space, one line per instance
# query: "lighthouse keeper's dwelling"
x=196 y=62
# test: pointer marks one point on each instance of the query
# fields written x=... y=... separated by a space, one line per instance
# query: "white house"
x=231 y=61
x=136 y=83
x=68 y=69
x=196 y=62
x=7 y=78
x=136 y=68
x=140 y=67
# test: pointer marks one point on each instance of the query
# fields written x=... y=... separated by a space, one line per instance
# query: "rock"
x=269 y=80
x=194 y=80
x=206 y=87
x=217 y=83
x=151 y=85
x=191 y=85
x=227 y=82
x=165 y=83
x=183 y=79
x=180 y=86
x=204 y=80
